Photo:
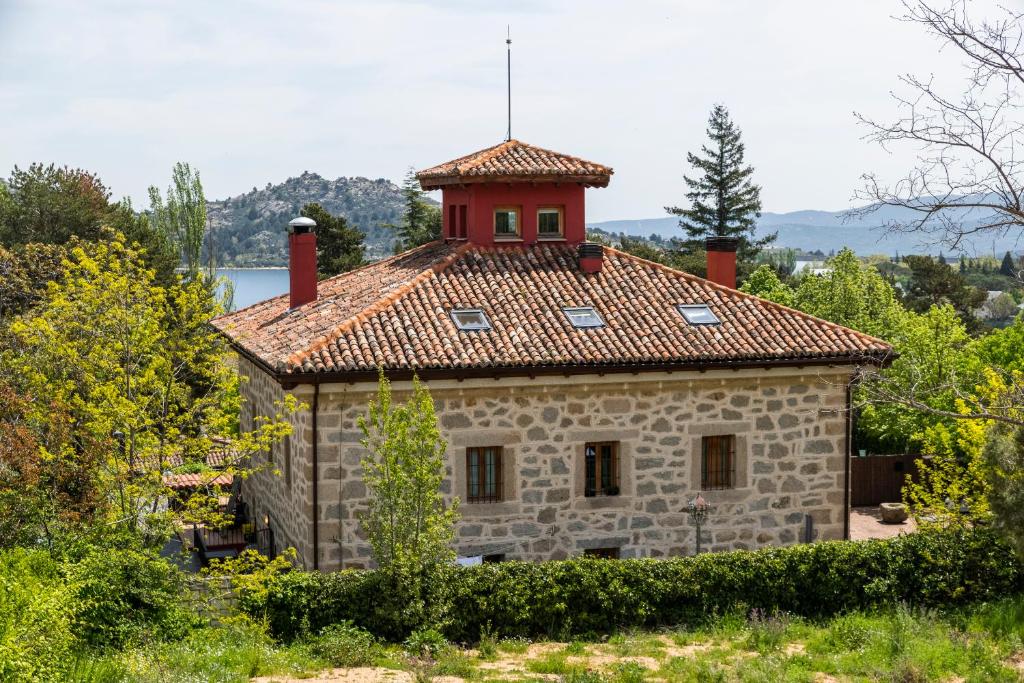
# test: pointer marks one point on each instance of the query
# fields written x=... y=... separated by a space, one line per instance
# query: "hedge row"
x=584 y=596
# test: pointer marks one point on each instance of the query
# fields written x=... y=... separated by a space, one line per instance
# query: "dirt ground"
x=867 y=523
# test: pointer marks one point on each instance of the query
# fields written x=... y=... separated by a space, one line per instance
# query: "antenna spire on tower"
x=508 y=79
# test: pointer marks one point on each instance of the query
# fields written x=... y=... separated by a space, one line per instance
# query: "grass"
x=901 y=645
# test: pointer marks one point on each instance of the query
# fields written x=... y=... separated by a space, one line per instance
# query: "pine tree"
x=724 y=202
x=1008 y=268
x=421 y=221
x=339 y=248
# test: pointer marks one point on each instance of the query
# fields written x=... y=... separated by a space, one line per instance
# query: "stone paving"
x=866 y=522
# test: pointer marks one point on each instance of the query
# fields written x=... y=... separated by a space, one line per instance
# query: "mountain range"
x=828 y=231
x=249 y=229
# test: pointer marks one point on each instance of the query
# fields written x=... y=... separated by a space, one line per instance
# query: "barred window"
x=718 y=462
x=601 y=467
x=483 y=475
x=602 y=553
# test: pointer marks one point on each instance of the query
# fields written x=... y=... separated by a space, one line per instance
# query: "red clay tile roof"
x=515 y=161
x=178 y=482
x=395 y=314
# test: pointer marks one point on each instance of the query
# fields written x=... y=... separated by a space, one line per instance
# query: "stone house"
x=586 y=395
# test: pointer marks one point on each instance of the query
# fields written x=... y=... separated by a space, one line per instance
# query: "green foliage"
x=421 y=221
x=36 y=617
x=426 y=642
x=724 y=202
x=61 y=206
x=120 y=354
x=936 y=284
x=1004 y=457
x=343 y=644
x=339 y=248
x=934 y=567
x=182 y=219
x=128 y=597
x=1007 y=267
x=406 y=521
x=25 y=273
x=853 y=295
x=765 y=283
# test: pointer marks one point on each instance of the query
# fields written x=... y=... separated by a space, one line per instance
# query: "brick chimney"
x=722 y=260
x=301 y=261
x=591 y=257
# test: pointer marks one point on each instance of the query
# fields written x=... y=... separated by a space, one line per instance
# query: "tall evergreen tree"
x=1008 y=268
x=421 y=221
x=724 y=201
x=339 y=247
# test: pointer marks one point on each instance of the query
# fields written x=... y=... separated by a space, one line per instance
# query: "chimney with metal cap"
x=591 y=257
x=722 y=260
x=301 y=261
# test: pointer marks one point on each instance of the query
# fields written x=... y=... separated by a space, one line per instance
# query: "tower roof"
x=513 y=161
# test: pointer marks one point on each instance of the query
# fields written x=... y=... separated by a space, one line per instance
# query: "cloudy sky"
x=257 y=91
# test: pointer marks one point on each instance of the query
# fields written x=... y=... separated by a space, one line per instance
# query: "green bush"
x=575 y=597
x=36 y=612
x=128 y=597
x=344 y=645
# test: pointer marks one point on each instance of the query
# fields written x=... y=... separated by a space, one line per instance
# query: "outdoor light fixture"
x=698 y=509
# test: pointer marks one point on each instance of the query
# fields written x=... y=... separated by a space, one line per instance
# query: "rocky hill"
x=250 y=229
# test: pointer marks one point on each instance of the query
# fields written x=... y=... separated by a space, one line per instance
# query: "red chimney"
x=591 y=257
x=722 y=260
x=301 y=262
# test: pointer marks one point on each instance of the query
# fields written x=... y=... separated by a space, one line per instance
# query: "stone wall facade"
x=790 y=434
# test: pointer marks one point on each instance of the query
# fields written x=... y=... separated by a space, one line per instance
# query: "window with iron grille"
x=718 y=462
x=601 y=469
x=602 y=553
x=483 y=474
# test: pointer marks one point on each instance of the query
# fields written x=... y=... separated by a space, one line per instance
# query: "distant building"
x=586 y=395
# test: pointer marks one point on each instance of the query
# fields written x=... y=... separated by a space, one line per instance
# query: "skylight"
x=470 y=319
x=583 y=317
x=698 y=314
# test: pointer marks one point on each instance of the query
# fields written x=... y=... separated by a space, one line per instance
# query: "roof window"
x=698 y=314
x=583 y=317
x=470 y=319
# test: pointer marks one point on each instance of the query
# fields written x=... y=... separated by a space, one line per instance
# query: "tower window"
x=507 y=223
x=550 y=222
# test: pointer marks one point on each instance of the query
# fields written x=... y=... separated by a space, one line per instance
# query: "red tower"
x=514 y=193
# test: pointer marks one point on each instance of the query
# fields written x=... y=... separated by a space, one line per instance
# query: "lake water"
x=253 y=285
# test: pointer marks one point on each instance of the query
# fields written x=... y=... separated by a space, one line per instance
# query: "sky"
x=258 y=91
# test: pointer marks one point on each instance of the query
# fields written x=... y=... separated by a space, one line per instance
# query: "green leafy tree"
x=407 y=522
x=933 y=284
x=182 y=218
x=25 y=273
x=421 y=221
x=52 y=204
x=141 y=375
x=1002 y=307
x=55 y=205
x=339 y=247
x=1004 y=460
x=724 y=201
x=765 y=283
x=851 y=294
